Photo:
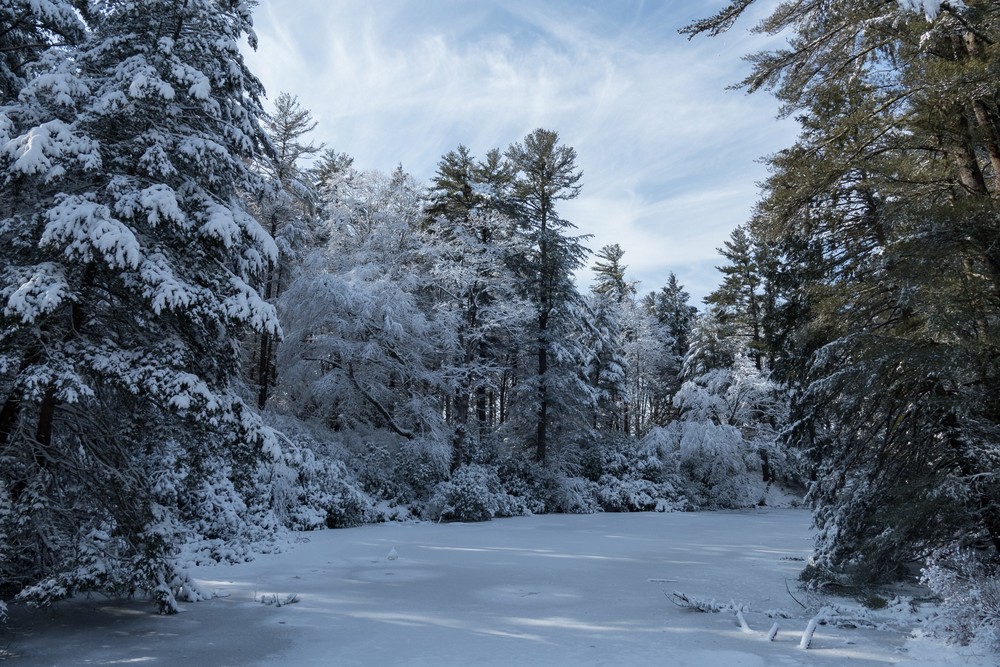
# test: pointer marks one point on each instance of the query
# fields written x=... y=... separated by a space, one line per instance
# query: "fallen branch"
x=807 y=636
x=701 y=604
x=743 y=622
x=792 y=596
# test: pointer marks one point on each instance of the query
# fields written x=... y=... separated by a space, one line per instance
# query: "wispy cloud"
x=669 y=156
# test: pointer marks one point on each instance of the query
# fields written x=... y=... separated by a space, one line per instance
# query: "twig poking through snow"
x=273 y=600
x=703 y=605
x=772 y=633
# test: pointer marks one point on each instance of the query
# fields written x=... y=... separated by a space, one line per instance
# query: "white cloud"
x=668 y=154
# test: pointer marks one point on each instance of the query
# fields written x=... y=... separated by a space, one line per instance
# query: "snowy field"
x=544 y=590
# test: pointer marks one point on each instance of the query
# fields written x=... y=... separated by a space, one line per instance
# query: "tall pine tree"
x=126 y=284
x=546 y=174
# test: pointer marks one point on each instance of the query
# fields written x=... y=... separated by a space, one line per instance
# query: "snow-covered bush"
x=519 y=477
x=969 y=589
x=307 y=484
x=546 y=488
x=467 y=496
x=473 y=493
x=728 y=436
x=719 y=467
x=638 y=475
x=419 y=466
x=400 y=472
x=572 y=495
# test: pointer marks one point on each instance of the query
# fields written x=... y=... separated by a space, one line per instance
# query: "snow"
x=931 y=9
x=553 y=589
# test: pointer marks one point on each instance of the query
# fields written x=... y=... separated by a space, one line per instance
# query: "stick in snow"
x=772 y=633
x=807 y=636
x=792 y=596
x=743 y=622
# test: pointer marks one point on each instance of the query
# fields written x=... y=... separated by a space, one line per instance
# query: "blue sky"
x=670 y=157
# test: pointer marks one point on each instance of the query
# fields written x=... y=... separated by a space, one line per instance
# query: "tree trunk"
x=46 y=417
x=543 y=398
x=986 y=120
x=482 y=420
x=264 y=370
x=970 y=176
x=461 y=401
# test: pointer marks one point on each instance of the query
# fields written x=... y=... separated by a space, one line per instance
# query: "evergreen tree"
x=886 y=211
x=670 y=307
x=473 y=243
x=739 y=297
x=454 y=190
x=546 y=174
x=126 y=284
x=609 y=274
x=287 y=210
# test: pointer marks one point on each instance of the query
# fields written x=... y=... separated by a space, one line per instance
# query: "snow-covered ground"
x=544 y=590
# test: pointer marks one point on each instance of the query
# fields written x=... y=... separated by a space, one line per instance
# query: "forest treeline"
x=215 y=330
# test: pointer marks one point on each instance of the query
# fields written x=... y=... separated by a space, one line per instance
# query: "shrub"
x=473 y=493
x=305 y=487
x=720 y=468
x=638 y=475
x=969 y=589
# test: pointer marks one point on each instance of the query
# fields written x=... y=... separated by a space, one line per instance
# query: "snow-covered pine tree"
x=673 y=318
x=471 y=241
x=669 y=305
x=546 y=173
x=31 y=28
x=739 y=298
x=287 y=209
x=125 y=285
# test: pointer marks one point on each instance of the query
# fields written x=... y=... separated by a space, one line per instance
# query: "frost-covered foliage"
x=29 y=27
x=478 y=304
x=362 y=348
x=126 y=283
x=728 y=435
x=308 y=485
x=637 y=475
x=474 y=493
x=632 y=365
x=720 y=468
x=929 y=8
x=969 y=589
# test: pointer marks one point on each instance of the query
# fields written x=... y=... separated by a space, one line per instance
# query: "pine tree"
x=546 y=174
x=609 y=274
x=128 y=260
x=886 y=210
x=670 y=307
x=287 y=210
x=739 y=297
x=473 y=242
